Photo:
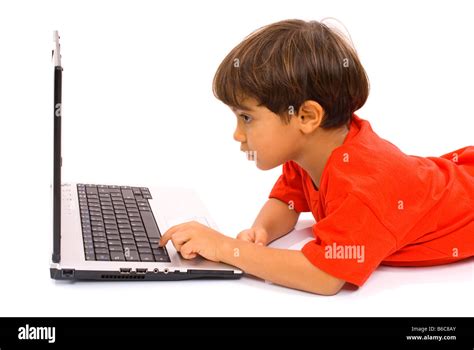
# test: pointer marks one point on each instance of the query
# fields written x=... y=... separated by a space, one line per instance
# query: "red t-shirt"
x=377 y=205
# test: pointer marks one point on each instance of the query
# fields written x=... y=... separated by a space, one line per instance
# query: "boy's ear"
x=310 y=116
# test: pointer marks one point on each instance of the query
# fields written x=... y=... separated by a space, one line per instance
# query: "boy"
x=294 y=87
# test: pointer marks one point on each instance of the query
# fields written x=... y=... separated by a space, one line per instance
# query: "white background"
x=138 y=109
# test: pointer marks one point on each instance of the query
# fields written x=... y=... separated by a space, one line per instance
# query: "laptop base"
x=140 y=275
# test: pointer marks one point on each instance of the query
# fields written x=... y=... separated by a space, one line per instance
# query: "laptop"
x=111 y=232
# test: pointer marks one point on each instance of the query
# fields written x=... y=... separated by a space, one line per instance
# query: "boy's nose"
x=239 y=136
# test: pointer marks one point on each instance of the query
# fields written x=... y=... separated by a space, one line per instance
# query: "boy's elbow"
x=333 y=288
x=329 y=289
x=324 y=283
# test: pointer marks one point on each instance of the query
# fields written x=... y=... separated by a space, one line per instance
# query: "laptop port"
x=155 y=270
x=141 y=271
x=125 y=270
x=166 y=270
x=67 y=273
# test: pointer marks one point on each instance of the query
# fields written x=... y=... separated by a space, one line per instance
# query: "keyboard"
x=118 y=224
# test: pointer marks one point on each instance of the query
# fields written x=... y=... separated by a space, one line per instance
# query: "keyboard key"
x=126 y=237
x=159 y=251
x=144 y=250
x=117 y=256
x=162 y=258
x=146 y=257
x=129 y=247
x=102 y=257
x=127 y=193
x=132 y=255
x=150 y=225
x=100 y=245
x=89 y=250
x=99 y=234
x=146 y=194
x=116 y=248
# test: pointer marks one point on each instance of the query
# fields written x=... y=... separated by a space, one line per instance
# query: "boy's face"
x=264 y=134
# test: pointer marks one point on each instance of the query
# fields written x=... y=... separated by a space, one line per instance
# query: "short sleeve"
x=350 y=242
x=289 y=188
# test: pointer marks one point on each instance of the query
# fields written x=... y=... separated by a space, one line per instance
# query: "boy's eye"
x=246 y=118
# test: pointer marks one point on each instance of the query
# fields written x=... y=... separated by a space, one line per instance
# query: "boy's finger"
x=166 y=237
x=187 y=251
x=244 y=236
x=163 y=241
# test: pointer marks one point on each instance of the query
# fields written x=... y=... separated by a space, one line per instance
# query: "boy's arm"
x=288 y=268
x=285 y=267
x=276 y=218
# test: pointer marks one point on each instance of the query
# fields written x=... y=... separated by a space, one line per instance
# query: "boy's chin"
x=265 y=166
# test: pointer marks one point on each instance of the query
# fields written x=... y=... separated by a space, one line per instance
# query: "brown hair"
x=283 y=64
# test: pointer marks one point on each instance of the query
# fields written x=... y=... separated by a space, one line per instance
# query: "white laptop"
x=110 y=232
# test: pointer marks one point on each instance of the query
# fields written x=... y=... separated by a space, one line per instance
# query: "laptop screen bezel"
x=56 y=257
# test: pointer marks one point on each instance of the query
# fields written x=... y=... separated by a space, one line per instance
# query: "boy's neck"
x=315 y=153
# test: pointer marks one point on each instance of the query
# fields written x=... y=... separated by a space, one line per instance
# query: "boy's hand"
x=192 y=238
x=257 y=235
